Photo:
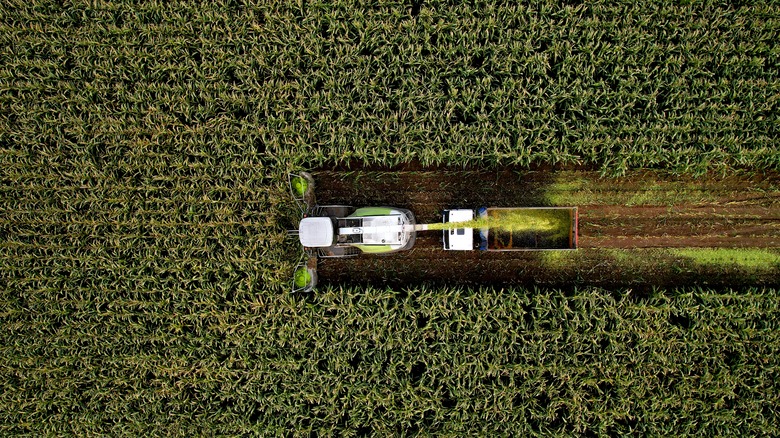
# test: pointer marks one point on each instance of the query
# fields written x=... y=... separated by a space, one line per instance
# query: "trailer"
x=559 y=232
x=327 y=231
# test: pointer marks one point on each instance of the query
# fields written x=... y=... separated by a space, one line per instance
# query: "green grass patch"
x=669 y=194
x=751 y=258
x=569 y=188
x=558 y=259
x=625 y=256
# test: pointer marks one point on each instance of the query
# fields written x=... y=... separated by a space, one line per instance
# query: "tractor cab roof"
x=316 y=232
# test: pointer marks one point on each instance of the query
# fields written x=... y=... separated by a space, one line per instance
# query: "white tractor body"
x=316 y=232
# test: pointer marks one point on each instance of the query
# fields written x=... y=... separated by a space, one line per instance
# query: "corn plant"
x=144 y=150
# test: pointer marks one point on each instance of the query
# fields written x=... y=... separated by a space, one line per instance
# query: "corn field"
x=144 y=262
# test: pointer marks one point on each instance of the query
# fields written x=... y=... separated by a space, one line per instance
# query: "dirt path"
x=725 y=225
x=640 y=211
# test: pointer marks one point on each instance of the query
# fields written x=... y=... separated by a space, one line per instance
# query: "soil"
x=635 y=213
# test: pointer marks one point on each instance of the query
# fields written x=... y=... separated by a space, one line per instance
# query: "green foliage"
x=457 y=361
x=687 y=87
x=144 y=149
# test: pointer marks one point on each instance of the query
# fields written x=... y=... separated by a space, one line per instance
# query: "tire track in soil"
x=738 y=211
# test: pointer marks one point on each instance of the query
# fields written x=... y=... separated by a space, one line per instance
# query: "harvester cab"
x=343 y=231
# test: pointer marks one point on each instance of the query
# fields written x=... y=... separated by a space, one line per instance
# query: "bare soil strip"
x=636 y=213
